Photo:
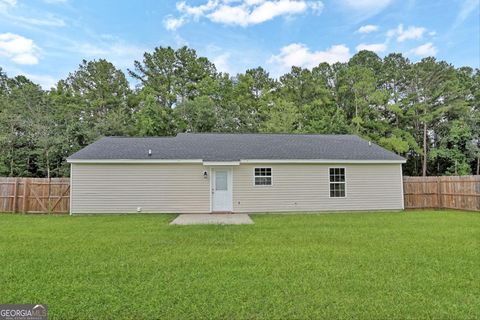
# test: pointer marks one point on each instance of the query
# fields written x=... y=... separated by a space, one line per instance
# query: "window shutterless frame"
x=337 y=182
x=262 y=176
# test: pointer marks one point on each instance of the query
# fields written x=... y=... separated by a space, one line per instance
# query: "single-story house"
x=203 y=173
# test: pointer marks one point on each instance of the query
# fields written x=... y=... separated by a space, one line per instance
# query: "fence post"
x=15 y=195
x=439 y=193
x=25 y=195
x=49 y=191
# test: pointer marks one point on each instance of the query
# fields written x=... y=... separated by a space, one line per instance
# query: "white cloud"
x=18 y=49
x=118 y=52
x=375 y=47
x=230 y=15
x=367 y=28
x=411 y=33
x=25 y=58
x=221 y=62
x=197 y=11
x=297 y=54
x=45 y=81
x=50 y=21
x=245 y=15
x=269 y=10
x=425 y=50
x=171 y=23
x=241 y=12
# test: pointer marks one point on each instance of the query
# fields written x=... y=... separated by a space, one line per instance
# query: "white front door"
x=222 y=199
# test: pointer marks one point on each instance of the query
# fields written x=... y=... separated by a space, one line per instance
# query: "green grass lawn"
x=364 y=265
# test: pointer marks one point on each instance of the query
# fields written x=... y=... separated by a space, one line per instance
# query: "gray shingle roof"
x=234 y=147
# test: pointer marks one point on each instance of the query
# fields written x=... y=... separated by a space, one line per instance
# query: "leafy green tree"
x=324 y=119
x=220 y=91
x=394 y=79
x=172 y=76
x=154 y=119
x=363 y=101
x=434 y=91
x=282 y=118
x=295 y=86
x=456 y=148
x=197 y=115
x=475 y=112
x=30 y=135
x=252 y=94
x=100 y=92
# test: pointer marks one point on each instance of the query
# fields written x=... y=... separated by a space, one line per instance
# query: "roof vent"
x=149 y=152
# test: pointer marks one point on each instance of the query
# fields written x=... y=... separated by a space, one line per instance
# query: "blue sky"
x=47 y=39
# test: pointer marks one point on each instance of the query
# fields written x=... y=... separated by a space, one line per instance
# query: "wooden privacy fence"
x=35 y=195
x=442 y=192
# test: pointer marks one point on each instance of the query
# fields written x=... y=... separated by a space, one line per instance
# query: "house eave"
x=234 y=163
x=133 y=161
x=326 y=161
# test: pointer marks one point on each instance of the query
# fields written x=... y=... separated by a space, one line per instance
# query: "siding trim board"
x=181 y=188
x=403 y=191
x=71 y=189
x=210 y=189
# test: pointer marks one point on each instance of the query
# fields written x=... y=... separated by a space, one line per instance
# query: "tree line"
x=426 y=111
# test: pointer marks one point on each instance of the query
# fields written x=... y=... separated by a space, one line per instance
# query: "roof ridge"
x=267 y=133
x=137 y=137
x=234 y=134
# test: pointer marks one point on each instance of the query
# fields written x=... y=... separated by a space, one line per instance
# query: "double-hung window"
x=263 y=176
x=337 y=182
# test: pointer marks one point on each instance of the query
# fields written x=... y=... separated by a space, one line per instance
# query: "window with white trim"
x=263 y=176
x=337 y=182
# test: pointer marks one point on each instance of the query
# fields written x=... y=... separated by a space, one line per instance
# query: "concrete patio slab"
x=211 y=218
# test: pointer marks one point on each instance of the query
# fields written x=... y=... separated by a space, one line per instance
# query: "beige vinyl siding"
x=121 y=188
x=305 y=187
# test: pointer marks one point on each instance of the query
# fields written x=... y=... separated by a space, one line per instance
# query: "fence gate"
x=35 y=195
